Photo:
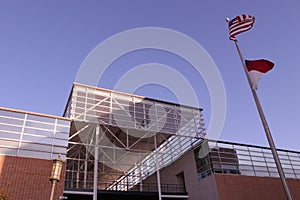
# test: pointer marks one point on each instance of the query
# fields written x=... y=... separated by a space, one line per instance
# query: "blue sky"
x=42 y=45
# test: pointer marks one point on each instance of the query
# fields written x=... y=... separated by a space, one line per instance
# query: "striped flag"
x=240 y=24
x=256 y=69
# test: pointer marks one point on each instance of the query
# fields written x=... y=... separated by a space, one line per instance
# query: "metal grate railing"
x=233 y=158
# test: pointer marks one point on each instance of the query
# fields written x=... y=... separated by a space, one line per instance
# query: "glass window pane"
x=271 y=164
x=5 y=127
x=14 y=121
x=283 y=158
x=296 y=166
x=246 y=162
x=40 y=118
x=259 y=163
x=254 y=149
x=8 y=143
x=62 y=136
x=268 y=155
x=286 y=166
x=291 y=154
x=287 y=175
x=267 y=151
x=272 y=169
x=288 y=170
x=262 y=173
x=63 y=129
x=282 y=153
x=59 y=142
x=258 y=168
x=39 y=125
x=14 y=136
x=36 y=147
x=256 y=154
x=271 y=160
x=285 y=161
x=256 y=158
x=34 y=139
x=12 y=114
x=8 y=151
x=38 y=132
x=63 y=122
x=244 y=148
x=274 y=174
x=241 y=153
x=246 y=167
x=59 y=150
x=34 y=154
x=247 y=173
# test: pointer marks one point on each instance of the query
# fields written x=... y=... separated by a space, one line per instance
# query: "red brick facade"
x=28 y=178
x=231 y=187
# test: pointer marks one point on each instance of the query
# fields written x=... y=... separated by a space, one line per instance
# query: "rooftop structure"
x=124 y=146
x=117 y=140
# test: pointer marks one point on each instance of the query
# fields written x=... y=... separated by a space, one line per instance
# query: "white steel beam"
x=95 y=188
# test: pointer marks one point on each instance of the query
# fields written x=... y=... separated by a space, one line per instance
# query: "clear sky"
x=43 y=44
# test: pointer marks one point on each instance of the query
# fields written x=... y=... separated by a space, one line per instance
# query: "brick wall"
x=231 y=187
x=28 y=178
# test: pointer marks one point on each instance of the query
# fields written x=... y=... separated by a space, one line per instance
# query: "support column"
x=95 y=189
x=85 y=168
x=157 y=170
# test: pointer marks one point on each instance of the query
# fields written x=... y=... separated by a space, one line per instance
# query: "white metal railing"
x=32 y=135
x=226 y=157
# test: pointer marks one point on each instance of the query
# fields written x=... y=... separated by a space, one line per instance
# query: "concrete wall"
x=27 y=178
x=231 y=187
x=197 y=190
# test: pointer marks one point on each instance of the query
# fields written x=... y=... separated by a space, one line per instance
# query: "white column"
x=85 y=168
x=95 y=190
x=157 y=170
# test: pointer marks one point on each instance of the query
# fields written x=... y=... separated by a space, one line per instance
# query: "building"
x=28 y=143
x=124 y=146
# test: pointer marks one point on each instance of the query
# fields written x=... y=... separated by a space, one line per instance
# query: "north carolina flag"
x=256 y=69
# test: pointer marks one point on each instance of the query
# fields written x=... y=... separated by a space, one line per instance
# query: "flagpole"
x=266 y=128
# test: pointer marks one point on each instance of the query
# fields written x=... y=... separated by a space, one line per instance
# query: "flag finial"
x=227 y=19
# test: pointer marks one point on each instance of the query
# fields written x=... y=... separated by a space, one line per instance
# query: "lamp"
x=55 y=174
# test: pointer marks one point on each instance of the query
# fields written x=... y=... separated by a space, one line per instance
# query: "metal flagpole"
x=266 y=128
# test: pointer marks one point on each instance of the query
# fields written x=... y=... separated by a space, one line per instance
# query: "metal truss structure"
x=117 y=140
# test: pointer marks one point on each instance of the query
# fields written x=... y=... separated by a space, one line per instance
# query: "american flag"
x=240 y=24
